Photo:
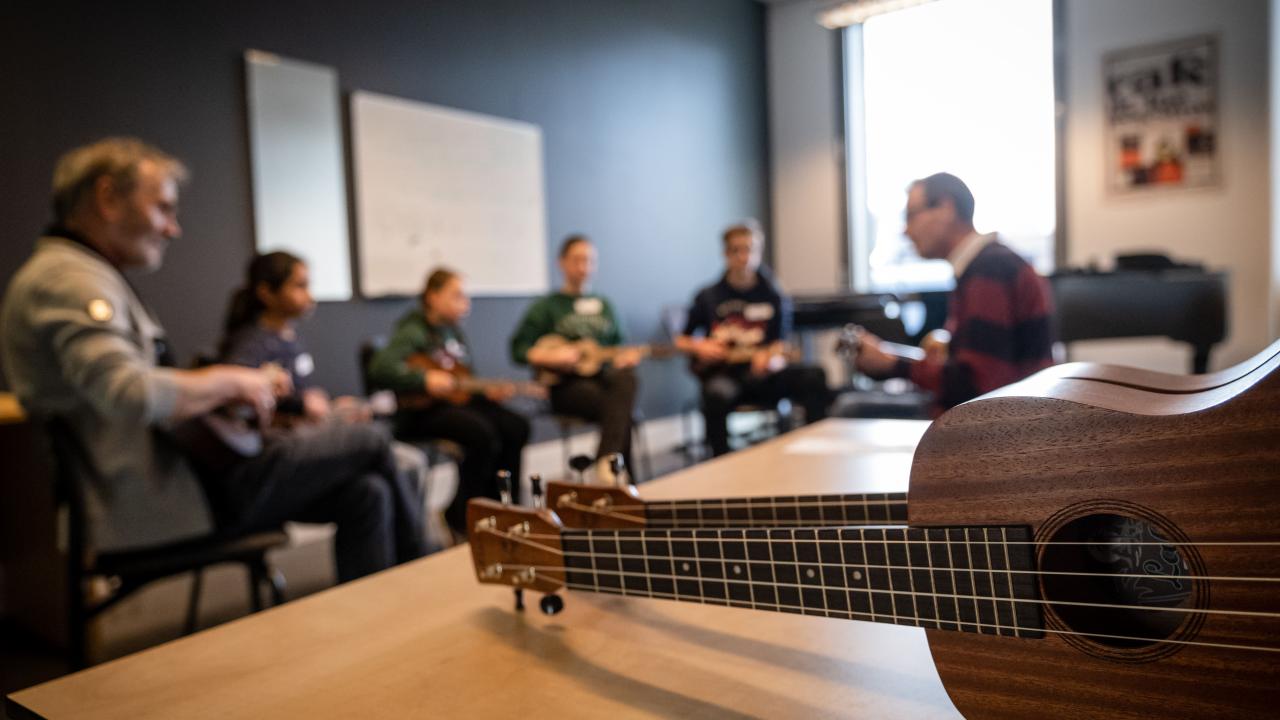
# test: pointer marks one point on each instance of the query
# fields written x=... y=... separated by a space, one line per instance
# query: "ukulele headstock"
x=594 y=507
x=850 y=341
x=515 y=546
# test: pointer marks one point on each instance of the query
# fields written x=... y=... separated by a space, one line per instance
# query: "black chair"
x=128 y=571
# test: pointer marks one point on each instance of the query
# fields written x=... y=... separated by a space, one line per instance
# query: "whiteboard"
x=299 y=181
x=439 y=186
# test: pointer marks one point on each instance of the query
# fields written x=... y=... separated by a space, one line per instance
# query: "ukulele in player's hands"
x=225 y=436
x=591 y=355
x=465 y=385
x=855 y=340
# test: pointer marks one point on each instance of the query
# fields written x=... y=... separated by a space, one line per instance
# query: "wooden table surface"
x=426 y=640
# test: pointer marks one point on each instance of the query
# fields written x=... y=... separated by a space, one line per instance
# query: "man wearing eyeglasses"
x=998 y=316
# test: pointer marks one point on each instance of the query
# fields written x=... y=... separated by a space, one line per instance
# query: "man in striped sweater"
x=998 y=315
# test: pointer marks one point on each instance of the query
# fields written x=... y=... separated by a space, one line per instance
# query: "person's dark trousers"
x=333 y=472
x=607 y=399
x=725 y=389
x=492 y=438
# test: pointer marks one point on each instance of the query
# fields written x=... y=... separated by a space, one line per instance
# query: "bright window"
x=962 y=86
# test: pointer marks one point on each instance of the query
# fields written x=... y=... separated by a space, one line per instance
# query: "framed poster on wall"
x=1162 y=116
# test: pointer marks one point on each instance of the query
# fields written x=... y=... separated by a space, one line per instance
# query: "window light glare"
x=857 y=12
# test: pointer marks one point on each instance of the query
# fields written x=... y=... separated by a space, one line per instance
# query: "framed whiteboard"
x=299 y=180
x=438 y=186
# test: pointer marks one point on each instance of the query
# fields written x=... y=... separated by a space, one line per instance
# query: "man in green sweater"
x=575 y=313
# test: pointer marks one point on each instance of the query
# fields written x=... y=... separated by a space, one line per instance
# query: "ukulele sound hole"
x=1122 y=584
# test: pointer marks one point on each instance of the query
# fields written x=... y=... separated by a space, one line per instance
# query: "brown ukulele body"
x=1201 y=468
x=460 y=372
x=1163 y=382
x=467 y=384
x=592 y=356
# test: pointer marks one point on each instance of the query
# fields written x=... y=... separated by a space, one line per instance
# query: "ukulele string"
x=898 y=619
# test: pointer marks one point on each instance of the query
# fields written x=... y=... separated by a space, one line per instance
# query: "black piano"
x=1183 y=303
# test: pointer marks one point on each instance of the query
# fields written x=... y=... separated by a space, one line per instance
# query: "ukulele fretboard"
x=977 y=579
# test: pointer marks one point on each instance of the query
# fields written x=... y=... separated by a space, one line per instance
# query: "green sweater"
x=573 y=316
x=445 y=344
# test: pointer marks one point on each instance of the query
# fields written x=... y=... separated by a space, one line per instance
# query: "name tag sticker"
x=588 y=306
x=757 y=312
x=304 y=365
x=454 y=348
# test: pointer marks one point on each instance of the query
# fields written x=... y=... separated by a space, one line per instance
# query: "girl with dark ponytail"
x=259 y=328
x=328 y=436
x=267 y=274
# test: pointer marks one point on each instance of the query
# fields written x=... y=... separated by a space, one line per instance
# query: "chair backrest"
x=364 y=356
x=71 y=463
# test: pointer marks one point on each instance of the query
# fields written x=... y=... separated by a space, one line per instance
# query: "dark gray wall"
x=652 y=111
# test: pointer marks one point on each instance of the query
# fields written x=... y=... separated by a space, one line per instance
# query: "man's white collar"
x=967 y=250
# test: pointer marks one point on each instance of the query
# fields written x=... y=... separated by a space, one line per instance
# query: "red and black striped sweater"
x=999 y=317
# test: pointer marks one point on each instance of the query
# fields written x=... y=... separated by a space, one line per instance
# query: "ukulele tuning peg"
x=519 y=592
x=579 y=464
x=551 y=604
x=535 y=489
x=616 y=465
x=504 y=486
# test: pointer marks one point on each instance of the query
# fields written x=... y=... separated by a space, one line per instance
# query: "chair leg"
x=76 y=613
x=686 y=436
x=77 y=619
x=641 y=443
x=193 y=602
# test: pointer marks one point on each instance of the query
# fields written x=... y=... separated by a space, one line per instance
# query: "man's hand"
x=212 y=387
x=563 y=357
x=439 y=383
x=709 y=350
x=627 y=358
x=255 y=387
x=936 y=346
x=315 y=404
x=873 y=360
x=280 y=378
